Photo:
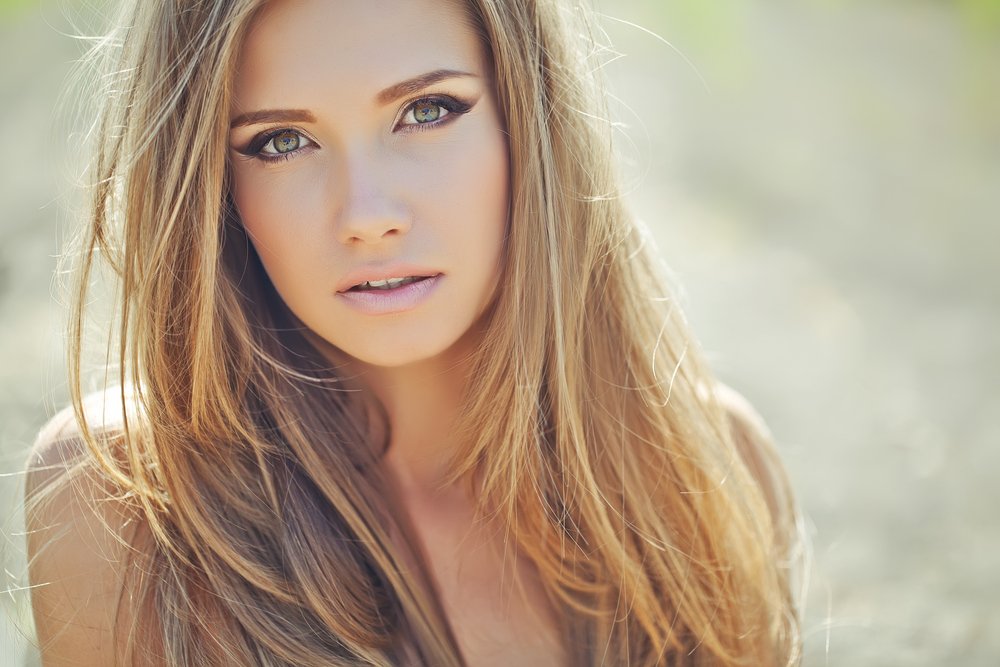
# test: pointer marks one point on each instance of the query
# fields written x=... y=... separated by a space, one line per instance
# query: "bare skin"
x=360 y=188
x=357 y=182
x=78 y=541
x=365 y=182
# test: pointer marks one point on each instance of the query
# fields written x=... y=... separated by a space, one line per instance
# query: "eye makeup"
x=454 y=108
x=416 y=116
x=284 y=136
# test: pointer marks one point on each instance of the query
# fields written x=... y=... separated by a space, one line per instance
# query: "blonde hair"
x=269 y=536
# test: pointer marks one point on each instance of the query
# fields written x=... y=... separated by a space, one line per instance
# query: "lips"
x=391 y=283
x=384 y=277
x=406 y=296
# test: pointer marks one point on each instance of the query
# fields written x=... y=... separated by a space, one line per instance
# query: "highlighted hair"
x=267 y=534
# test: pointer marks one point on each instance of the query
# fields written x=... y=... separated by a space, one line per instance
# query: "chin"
x=407 y=349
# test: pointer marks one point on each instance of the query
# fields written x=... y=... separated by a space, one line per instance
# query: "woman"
x=398 y=384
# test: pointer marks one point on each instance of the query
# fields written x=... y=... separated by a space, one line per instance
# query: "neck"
x=421 y=403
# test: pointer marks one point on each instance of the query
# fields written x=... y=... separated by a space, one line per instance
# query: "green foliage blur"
x=981 y=13
x=10 y=7
x=981 y=16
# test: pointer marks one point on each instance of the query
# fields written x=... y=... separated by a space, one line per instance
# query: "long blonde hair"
x=269 y=538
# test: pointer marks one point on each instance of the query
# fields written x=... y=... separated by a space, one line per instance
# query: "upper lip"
x=383 y=272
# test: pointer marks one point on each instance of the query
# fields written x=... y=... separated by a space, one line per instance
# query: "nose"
x=371 y=210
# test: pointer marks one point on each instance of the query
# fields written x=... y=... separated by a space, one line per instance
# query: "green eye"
x=432 y=112
x=285 y=142
x=426 y=112
x=281 y=144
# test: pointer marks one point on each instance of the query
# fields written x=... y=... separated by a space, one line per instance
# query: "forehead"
x=294 y=45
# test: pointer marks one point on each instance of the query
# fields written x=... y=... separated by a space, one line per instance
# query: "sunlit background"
x=823 y=179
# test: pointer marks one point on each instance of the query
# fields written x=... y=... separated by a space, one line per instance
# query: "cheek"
x=279 y=212
x=476 y=191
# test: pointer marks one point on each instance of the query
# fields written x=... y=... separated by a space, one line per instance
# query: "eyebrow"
x=271 y=116
x=390 y=94
x=417 y=83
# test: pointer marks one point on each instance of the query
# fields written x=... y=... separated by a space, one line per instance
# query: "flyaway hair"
x=264 y=534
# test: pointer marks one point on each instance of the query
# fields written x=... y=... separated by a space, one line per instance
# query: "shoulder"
x=756 y=448
x=79 y=534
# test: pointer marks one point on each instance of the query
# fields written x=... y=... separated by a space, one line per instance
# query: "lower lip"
x=386 y=302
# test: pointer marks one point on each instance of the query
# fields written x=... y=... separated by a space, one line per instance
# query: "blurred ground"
x=832 y=213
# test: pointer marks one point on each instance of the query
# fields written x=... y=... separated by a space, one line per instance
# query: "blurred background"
x=823 y=179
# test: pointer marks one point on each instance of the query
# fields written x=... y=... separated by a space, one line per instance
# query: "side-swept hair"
x=613 y=464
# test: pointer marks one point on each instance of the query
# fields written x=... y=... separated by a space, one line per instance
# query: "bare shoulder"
x=756 y=446
x=78 y=540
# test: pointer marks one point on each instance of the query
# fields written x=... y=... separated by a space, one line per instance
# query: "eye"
x=425 y=111
x=432 y=111
x=281 y=143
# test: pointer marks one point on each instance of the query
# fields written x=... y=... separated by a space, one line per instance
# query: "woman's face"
x=366 y=145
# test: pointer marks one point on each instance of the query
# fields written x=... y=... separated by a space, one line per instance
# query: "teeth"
x=388 y=283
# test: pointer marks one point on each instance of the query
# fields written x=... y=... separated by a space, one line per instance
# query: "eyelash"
x=453 y=106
